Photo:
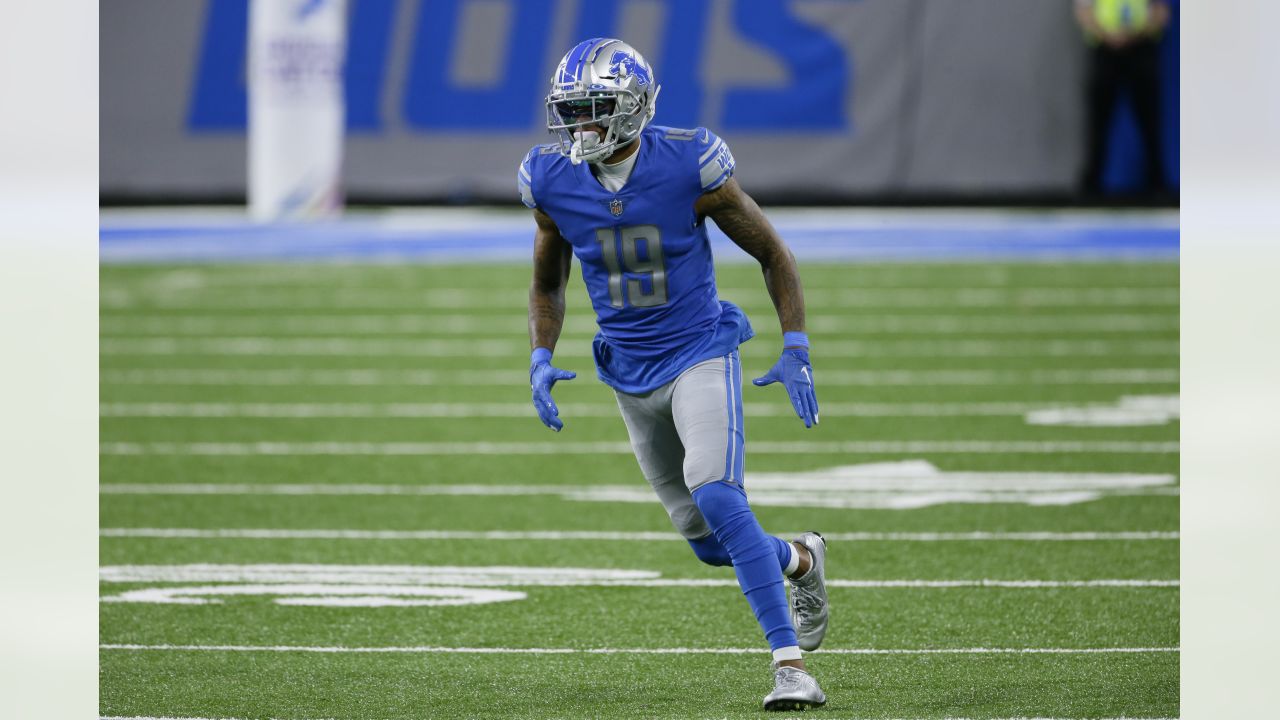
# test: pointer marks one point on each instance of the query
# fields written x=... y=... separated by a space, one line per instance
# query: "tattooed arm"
x=742 y=220
x=552 y=257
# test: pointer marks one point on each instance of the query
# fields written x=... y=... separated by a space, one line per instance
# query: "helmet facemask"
x=617 y=113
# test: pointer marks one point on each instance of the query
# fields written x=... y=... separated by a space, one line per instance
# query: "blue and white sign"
x=296 y=115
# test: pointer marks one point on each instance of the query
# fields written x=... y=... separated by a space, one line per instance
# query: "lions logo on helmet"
x=602 y=84
x=623 y=64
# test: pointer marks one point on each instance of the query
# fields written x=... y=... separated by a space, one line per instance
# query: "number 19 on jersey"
x=635 y=250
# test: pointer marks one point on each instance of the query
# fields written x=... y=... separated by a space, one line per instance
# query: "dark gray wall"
x=937 y=96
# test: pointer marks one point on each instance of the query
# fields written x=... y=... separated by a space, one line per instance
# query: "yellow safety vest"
x=1114 y=15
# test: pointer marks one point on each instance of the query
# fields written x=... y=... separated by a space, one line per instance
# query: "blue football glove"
x=796 y=375
x=542 y=376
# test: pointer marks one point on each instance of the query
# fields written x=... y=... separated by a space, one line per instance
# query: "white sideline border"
x=561 y=535
x=432 y=649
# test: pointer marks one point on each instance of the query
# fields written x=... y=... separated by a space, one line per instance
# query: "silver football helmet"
x=601 y=82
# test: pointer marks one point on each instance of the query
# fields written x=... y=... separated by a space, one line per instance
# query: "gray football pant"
x=688 y=433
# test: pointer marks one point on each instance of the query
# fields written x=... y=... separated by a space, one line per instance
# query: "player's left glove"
x=796 y=375
x=542 y=375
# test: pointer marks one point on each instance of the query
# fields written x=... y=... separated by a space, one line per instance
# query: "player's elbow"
x=776 y=256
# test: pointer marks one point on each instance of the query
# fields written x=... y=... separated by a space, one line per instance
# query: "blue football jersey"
x=645 y=256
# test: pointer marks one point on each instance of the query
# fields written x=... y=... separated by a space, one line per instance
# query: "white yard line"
x=431 y=649
x=949 y=718
x=525 y=410
x=503 y=347
x=418 y=323
x=860 y=378
x=1003 y=536
x=592 y=535
x=386 y=576
x=280 y=534
x=894 y=485
x=172 y=718
x=749 y=297
x=624 y=448
x=326 y=489
x=848 y=584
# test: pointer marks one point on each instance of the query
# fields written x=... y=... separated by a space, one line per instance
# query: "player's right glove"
x=542 y=376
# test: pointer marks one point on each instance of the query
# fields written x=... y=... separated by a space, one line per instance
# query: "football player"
x=630 y=200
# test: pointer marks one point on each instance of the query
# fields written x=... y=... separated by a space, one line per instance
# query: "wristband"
x=795 y=339
x=540 y=354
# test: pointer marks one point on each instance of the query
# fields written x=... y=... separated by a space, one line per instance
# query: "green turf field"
x=325 y=495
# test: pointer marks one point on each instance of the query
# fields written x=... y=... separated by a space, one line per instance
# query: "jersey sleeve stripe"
x=711 y=152
x=524 y=184
x=713 y=176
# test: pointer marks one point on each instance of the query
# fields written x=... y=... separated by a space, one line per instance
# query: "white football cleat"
x=793 y=689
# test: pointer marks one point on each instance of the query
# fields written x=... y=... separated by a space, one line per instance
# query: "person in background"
x=1124 y=35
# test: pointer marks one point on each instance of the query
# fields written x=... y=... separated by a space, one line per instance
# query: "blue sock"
x=755 y=557
x=784 y=550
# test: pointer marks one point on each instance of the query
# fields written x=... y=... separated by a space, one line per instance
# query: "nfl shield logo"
x=615 y=207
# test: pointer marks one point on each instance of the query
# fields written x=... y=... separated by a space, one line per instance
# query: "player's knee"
x=710 y=551
x=724 y=505
x=695 y=477
x=703 y=467
x=688 y=521
x=725 y=508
